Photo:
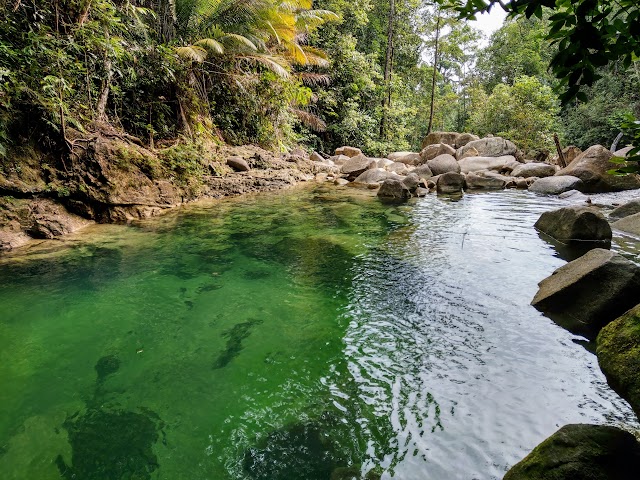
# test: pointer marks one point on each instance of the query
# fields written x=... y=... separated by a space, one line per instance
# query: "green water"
x=295 y=336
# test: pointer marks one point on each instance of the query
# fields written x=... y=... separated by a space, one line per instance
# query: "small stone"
x=239 y=164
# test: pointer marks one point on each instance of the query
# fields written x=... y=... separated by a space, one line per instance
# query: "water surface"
x=295 y=335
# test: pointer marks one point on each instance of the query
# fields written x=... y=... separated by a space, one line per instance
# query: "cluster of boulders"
x=597 y=296
x=453 y=162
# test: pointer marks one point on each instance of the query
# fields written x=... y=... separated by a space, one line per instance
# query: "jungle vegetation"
x=278 y=73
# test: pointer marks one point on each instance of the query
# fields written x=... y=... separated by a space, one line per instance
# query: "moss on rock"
x=618 y=350
x=581 y=452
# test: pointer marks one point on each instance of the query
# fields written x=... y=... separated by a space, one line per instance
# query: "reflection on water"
x=311 y=334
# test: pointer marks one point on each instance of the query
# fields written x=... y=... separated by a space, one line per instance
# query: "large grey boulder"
x=592 y=165
x=629 y=224
x=448 y=138
x=372 y=176
x=575 y=224
x=423 y=171
x=465 y=138
x=586 y=294
x=394 y=189
x=581 y=452
x=239 y=164
x=357 y=165
x=399 y=168
x=339 y=159
x=629 y=208
x=316 y=157
x=450 y=182
x=556 y=185
x=412 y=182
x=432 y=151
x=384 y=162
x=534 y=169
x=443 y=164
x=409 y=158
x=348 y=151
x=618 y=350
x=489 y=147
x=474 y=164
x=478 y=181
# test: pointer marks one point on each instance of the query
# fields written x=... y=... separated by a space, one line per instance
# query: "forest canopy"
x=278 y=73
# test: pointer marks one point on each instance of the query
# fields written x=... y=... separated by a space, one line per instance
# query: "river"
x=310 y=334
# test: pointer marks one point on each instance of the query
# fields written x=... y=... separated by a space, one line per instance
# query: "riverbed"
x=293 y=335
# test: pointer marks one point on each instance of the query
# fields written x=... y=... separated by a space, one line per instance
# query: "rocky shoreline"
x=114 y=180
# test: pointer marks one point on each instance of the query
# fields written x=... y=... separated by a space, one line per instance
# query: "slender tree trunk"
x=435 y=70
x=106 y=87
x=101 y=108
x=388 y=68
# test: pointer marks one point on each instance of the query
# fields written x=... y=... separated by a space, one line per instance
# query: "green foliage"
x=517 y=48
x=611 y=99
x=631 y=127
x=588 y=34
x=525 y=113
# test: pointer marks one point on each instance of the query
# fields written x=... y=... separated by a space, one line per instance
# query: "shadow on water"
x=235 y=337
x=574 y=250
x=109 y=443
x=303 y=451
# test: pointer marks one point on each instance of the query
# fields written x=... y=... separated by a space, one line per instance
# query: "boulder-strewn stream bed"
x=316 y=333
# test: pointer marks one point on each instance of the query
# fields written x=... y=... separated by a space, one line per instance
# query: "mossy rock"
x=581 y=452
x=618 y=350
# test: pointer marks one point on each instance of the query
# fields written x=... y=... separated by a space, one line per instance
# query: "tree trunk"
x=388 y=68
x=435 y=70
x=106 y=87
x=101 y=108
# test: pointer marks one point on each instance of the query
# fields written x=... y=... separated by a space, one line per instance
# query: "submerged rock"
x=106 y=366
x=556 y=185
x=629 y=224
x=575 y=224
x=588 y=293
x=581 y=452
x=235 y=336
x=618 y=350
x=111 y=445
x=300 y=451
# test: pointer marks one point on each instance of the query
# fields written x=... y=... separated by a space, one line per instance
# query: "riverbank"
x=110 y=178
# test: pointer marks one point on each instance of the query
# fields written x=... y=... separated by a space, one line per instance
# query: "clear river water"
x=311 y=334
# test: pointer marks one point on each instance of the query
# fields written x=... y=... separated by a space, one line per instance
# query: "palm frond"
x=272 y=62
x=309 y=119
x=314 y=79
x=192 y=53
x=211 y=45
